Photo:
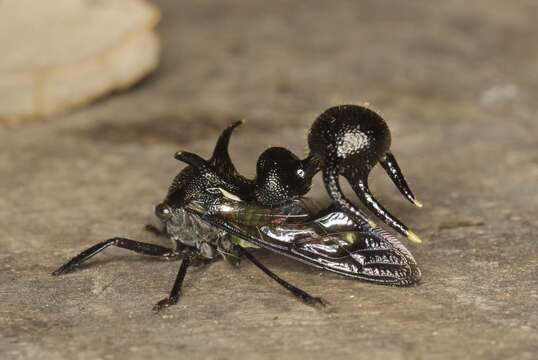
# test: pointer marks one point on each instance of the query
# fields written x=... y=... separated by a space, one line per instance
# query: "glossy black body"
x=350 y=139
x=212 y=211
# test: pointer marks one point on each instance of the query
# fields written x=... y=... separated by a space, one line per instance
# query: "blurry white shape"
x=498 y=93
x=58 y=54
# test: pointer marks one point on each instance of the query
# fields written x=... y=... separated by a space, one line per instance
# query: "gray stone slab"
x=457 y=83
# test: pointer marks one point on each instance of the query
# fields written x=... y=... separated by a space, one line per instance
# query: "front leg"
x=191 y=257
x=136 y=246
x=176 y=289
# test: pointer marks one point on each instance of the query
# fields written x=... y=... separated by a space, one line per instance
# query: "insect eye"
x=163 y=212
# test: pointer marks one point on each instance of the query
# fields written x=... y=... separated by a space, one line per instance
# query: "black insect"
x=211 y=211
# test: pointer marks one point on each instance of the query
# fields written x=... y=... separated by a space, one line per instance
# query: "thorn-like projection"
x=389 y=163
x=221 y=157
x=190 y=158
x=350 y=140
x=413 y=237
x=363 y=192
x=332 y=185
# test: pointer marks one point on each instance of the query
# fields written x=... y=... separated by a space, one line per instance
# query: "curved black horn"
x=392 y=169
x=220 y=159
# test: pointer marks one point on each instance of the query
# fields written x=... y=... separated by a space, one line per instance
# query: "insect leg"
x=176 y=289
x=136 y=246
x=300 y=294
x=395 y=173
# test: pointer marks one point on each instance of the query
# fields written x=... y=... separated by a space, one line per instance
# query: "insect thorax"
x=187 y=229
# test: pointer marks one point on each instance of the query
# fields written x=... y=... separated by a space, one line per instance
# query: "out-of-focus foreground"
x=60 y=54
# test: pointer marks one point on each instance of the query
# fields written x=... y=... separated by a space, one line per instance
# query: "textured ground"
x=457 y=83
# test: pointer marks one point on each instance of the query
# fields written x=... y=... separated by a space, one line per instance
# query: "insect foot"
x=175 y=293
x=315 y=301
x=164 y=303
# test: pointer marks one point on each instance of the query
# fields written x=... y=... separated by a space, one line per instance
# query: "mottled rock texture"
x=457 y=83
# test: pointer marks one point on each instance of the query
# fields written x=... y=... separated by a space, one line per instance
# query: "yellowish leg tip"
x=372 y=223
x=413 y=237
x=417 y=203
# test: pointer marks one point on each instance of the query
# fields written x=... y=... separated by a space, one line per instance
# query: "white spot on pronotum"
x=229 y=195
x=300 y=173
x=352 y=142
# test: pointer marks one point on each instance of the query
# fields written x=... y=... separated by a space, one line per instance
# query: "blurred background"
x=96 y=96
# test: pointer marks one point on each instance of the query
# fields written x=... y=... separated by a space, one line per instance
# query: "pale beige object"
x=57 y=54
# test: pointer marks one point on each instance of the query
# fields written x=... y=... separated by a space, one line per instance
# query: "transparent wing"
x=326 y=239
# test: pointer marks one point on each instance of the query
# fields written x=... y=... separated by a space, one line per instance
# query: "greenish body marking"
x=242 y=243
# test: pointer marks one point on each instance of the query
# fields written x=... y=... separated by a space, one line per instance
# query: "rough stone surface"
x=65 y=53
x=457 y=83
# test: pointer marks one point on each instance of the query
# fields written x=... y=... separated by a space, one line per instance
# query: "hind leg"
x=298 y=293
